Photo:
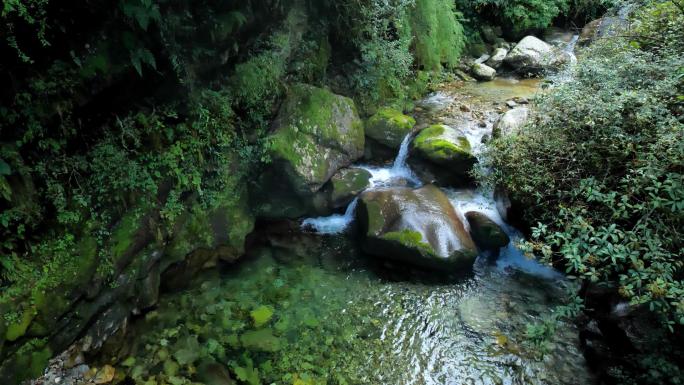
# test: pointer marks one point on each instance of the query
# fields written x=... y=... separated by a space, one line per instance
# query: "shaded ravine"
x=304 y=308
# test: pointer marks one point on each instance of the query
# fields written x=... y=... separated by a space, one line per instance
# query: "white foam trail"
x=400 y=171
x=570 y=49
x=465 y=201
x=380 y=177
x=567 y=74
x=333 y=224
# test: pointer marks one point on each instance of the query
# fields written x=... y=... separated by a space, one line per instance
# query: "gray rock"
x=315 y=134
x=511 y=121
x=533 y=55
x=497 y=58
x=482 y=59
x=483 y=71
x=347 y=184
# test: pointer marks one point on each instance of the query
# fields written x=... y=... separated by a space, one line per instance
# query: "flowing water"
x=399 y=173
x=308 y=309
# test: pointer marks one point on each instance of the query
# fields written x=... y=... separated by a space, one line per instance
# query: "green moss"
x=389 y=127
x=348 y=183
x=436 y=145
x=261 y=315
x=18 y=329
x=411 y=239
x=28 y=362
x=376 y=221
x=313 y=132
x=123 y=235
x=438 y=36
x=194 y=233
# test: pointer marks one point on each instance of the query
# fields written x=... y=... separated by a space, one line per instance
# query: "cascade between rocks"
x=316 y=302
x=394 y=178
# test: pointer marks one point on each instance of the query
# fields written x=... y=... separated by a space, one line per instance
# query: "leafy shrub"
x=521 y=16
x=600 y=174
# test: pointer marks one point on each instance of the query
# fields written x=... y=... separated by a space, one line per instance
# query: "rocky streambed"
x=404 y=273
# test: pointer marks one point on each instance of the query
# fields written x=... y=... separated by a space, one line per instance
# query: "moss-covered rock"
x=419 y=227
x=221 y=228
x=487 y=235
x=347 y=184
x=445 y=146
x=389 y=127
x=315 y=134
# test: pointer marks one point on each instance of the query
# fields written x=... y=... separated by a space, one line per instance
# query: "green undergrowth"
x=599 y=173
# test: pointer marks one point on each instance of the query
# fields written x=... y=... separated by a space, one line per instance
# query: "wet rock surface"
x=486 y=233
x=418 y=227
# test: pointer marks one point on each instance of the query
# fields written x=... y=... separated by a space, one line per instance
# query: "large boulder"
x=389 y=127
x=533 y=55
x=419 y=227
x=315 y=134
x=446 y=147
x=511 y=121
x=483 y=71
x=487 y=235
x=497 y=58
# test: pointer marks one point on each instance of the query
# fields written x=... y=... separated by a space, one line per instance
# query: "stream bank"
x=306 y=308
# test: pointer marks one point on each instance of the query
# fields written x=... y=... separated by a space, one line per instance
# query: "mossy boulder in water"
x=444 y=146
x=315 y=134
x=419 y=227
x=389 y=127
x=347 y=184
x=488 y=235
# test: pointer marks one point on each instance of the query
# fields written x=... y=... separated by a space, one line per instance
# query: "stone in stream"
x=497 y=58
x=483 y=71
x=389 y=127
x=444 y=146
x=533 y=55
x=419 y=227
x=315 y=134
x=347 y=184
x=487 y=235
x=510 y=122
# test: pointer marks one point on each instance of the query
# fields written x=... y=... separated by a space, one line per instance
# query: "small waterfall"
x=570 y=49
x=380 y=177
x=389 y=176
x=567 y=74
x=399 y=167
x=465 y=200
x=334 y=224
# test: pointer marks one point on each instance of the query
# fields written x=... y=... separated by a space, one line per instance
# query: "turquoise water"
x=311 y=310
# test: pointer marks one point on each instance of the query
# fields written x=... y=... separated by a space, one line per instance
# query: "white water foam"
x=333 y=224
x=380 y=177
x=465 y=201
x=400 y=171
x=567 y=74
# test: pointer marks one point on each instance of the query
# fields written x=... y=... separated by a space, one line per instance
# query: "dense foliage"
x=600 y=169
x=521 y=16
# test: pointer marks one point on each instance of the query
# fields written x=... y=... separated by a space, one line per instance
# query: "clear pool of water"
x=315 y=311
